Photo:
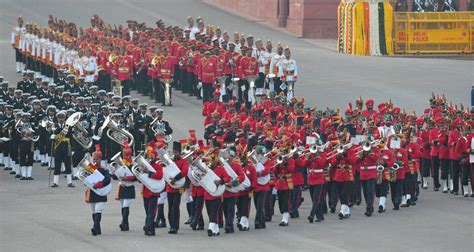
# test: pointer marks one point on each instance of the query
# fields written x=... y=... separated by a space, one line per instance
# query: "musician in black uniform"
x=24 y=84
x=4 y=91
x=13 y=143
x=141 y=126
x=8 y=123
x=36 y=115
x=26 y=146
x=66 y=103
x=17 y=101
x=62 y=149
x=96 y=201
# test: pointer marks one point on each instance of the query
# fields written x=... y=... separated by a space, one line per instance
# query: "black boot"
x=98 y=218
x=94 y=229
x=124 y=224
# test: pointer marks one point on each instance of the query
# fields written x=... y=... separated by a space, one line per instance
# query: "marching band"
x=259 y=142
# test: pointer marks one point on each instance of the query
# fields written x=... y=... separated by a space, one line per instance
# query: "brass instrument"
x=47 y=124
x=26 y=131
x=117 y=87
x=188 y=151
x=170 y=170
x=340 y=148
x=155 y=60
x=153 y=185
x=205 y=177
x=112 y=58
x=84 y=174
x=167 y=91
x=79 y=134
x=130 y=121
x=380 y=169
x=393 y=172
x=115 y=133
x=159 y=129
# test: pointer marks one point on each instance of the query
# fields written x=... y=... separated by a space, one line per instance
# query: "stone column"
x=283 y=12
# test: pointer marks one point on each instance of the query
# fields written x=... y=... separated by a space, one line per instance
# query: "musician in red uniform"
x=284 y=184
x=318 y=175
x=230 y=198
x=207 y=75
x=214 y=204
x=150 y=198
x=454 y=155
x=411 y=183
x=123 y=69
x=262 y=188
x=245 y=196
x=445 y=162
x=174 y=195
x=368 y=175
x=397 y=179
x=434 y=154
x=166 y=73
x=463 y=146
x=298 y=183
x=248 y=67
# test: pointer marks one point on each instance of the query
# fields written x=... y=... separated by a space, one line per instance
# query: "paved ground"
x=35 y=217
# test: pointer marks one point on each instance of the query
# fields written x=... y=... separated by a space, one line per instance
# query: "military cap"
x=30 y=73
x=82 y=78
x=52 y=85
x=5 y=83
x=105 y=107
x=2 y=104
x=60 y=87
x=110 y=94
x=39 y=77
x=116 y=97
x=127 y=97
x=23 y=73
x=80 y=98
x=44 y=82
x=94 y=87
x=11 y=88
x=153 y=108
x=26 y=114
x=75 y=94
x=8 y=106
x=67 y=93
x=101 y=92
x=95 y=105
x=61 y=113
x=32 y=97
x=51 y=107
x=134 y=100
x=44 y=100
x=143 y=105
x=88 y=99
x=71 y=76
x=18 y=91
x=159 y=111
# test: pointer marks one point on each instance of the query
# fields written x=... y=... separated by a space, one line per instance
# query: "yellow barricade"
x=434 y=32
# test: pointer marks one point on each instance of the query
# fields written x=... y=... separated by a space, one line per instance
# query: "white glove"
x=199 y=86
x=52 y=137
x=96 y=138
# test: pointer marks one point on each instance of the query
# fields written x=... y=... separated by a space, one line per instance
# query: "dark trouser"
x=368 y=186
x=206 y=92
x=333 y=195
x=142 y=82
x=78 y=155
x=149 y=204
x=259 y=201
x=426 y=166
x=229 y=212
x=276 y=83
x=191 y=83
x=445 y=168
x=396 y=189
x=466 y=174
x=284 y=202
x=381 y=189
x=183 y=82
x=244 y=94
x=174 y=200
x=243 y=206
x=60 y=157
x=139 y=142
x=408 y=184
x=357 y=188
x=317 y=195
x=343 y=189
x=101 y=81
x=126 y=87
x=176 y=77
x=26 y=153
x=160 y=214
x=14 y=151
x=197 y=219
x=157 y=90
x=435 y=171
x=416 y=188
x=456 y=169
x=295 y=199
x=269 y=204
x=212 y=208
x=18 y=55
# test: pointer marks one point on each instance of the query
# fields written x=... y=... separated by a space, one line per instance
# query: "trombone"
x=340 y=148
x=367 y=146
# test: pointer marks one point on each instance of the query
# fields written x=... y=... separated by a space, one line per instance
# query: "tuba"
x=170 y=170
x=115 y=133
x=89 y=175
x=118 y=168
x=233 y=175
x=79 y=134
x=153 y=185
x=205 y=177
x=158 y=128
x=26 y=131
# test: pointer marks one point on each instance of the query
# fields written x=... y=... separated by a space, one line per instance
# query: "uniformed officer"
x=62 y=149
x=141 y=127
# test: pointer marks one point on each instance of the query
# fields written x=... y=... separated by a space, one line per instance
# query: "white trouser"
x=187 y=198
x=163 y=198
x=382 y=201
x=284 y=217
x=97 y=207
x=125 y=202
x=244 y=221
x=23 y=171
x=214 y=227
x=29 y=169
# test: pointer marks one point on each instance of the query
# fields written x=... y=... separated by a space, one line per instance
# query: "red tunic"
x=283 y=177
x=183 y=167
x=207 y=70
x=316 y=165
x=222 y=174
x=240 y=177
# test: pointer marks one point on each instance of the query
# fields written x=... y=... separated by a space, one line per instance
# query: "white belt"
x=315 y=171
x=369 y=167
x=414 y=160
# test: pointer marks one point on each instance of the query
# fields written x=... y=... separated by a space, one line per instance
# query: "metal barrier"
x=434 y=32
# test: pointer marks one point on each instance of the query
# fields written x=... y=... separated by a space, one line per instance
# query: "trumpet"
x=393 y=171
x=47 y=124
x=380 y=169
x=115 y=133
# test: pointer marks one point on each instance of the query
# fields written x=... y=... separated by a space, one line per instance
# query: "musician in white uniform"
x=275 y=65
x=18 y=34
x=289 y=74
x=89 y=66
